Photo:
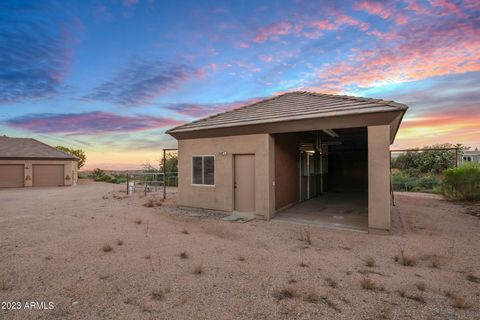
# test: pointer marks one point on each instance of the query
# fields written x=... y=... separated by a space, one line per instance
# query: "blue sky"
x=111 y=76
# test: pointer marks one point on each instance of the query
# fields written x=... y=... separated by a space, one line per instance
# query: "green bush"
x=403 y=181
x=462 y=183
x=427 y=182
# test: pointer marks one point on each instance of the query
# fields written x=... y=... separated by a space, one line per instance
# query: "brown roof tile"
x=292 y=106
x=30 y=149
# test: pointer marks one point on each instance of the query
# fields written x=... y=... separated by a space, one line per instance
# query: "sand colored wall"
x=286 y=169
x=220 y=196
x=379 y=178
x=70 y=169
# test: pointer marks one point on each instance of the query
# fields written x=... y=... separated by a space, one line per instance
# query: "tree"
x=171 y=163
x=79 y=153
x=428 y=161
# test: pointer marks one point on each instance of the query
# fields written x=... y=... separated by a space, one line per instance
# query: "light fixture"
x=223 y=153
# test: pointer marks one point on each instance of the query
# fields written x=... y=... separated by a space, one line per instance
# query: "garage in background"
x=26 y=162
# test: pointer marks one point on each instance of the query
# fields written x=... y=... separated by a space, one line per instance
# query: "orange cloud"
x=439 y=128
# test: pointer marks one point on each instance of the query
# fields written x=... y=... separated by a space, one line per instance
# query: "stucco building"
x=263 y=158
x=27 y=162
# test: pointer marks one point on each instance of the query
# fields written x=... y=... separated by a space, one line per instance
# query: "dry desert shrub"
x=420 y=286
x=405 y=260
x=472 y=278
x=138 y=221
x=303 y=265
x=286 y=293
x=198 y=270
x=331 y=283
x=157 y=295
x=311 y=296
x=305 y=236
x=183 y=255
x=4 y=285
x=107 y=248
x=457 y=301
x=415 y=297
x=367 y=284
x=120 y=242
x=460 y=303
x=185 y=231
x=435 y=262
x=151 y=203
x=241 y=258
x=370 y=262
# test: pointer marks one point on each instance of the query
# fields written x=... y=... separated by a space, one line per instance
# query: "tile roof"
x=30 y=149
x=296 y=105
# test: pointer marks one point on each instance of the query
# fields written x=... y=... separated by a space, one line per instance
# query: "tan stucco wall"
x=379 y=178
x=220 y=196
x=70 y=168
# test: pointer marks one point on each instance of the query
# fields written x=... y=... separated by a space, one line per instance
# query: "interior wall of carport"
x=286 y=170
x=347 y=165
x=374 y=178
x=348 y=162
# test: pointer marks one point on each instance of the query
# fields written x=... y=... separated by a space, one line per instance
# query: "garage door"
x=47 y=175
x=11 y=175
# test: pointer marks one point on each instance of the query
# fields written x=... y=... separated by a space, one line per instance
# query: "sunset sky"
x=110 y=77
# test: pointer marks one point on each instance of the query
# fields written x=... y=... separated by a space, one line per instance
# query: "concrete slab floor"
x=348 y=211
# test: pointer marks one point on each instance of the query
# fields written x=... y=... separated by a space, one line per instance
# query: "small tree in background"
x=428 y=161
x=79 y=153
x=171 y=163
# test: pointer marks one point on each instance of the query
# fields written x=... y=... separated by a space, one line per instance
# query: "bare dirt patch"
x=232 y=270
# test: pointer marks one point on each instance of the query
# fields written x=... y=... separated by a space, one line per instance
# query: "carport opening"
x=321 y=177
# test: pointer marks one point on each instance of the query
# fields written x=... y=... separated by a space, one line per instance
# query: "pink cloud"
x=374 y=8
x=446 y=6
x=413 y=5
x=381 y=9
x=417 y=51
x=273 y=30
x=95 y=122
x=266 y=58
x=343 y=20
x=471 y=4
x=323 y=25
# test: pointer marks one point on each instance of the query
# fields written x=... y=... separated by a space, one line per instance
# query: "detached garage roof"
x=292 y=106
x=26 y=148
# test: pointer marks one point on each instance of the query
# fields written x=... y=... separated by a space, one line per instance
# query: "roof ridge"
x=379 y=102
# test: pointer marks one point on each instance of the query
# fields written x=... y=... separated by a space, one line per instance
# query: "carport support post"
x=164 y=175
x=379 y=179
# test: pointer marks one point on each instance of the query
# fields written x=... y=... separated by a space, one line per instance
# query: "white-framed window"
x=203 y=170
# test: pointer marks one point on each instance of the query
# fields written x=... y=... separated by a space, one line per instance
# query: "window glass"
x=197 y=170
x=209 y=170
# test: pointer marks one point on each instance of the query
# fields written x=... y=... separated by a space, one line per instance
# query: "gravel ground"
x=55 y=247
